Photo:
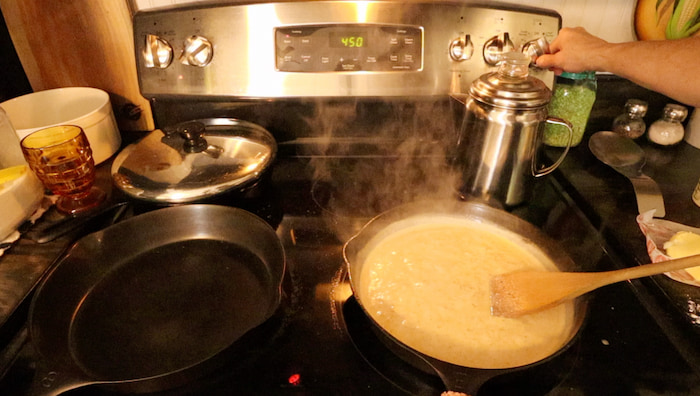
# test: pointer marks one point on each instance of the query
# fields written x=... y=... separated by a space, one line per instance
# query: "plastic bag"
x=657 y=232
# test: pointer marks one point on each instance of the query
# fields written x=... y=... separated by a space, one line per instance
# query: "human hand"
x=574 y=50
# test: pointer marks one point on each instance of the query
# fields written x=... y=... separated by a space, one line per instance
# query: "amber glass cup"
x=62 y=159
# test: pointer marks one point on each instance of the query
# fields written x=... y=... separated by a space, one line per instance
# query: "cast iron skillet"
x=154 y=301
x=456 y=378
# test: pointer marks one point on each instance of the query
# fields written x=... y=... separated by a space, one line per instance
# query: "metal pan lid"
x=194 y=160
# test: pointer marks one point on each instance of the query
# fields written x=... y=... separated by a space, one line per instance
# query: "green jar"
x=572 y=100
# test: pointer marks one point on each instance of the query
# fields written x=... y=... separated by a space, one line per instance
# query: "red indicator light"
x=294 y=379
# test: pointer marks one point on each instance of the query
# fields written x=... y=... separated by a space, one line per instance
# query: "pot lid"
x=511 y=86
x=194 y=160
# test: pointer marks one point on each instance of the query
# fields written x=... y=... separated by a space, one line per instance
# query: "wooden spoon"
x=519 y=293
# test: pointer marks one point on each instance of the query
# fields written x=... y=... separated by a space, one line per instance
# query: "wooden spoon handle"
x=519 y=293
x=653 y=268
x=574 y=284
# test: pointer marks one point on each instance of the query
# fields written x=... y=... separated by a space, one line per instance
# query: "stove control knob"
x=461 y=49
x=198 y=51
x=496 y=46
x=157 y=53
x=536 y=48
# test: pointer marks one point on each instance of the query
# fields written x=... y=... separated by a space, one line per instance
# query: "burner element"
x=379 y=355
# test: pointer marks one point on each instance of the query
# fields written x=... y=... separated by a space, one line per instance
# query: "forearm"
x=669 y=67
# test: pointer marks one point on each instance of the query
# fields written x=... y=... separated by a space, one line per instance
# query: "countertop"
x=22 y=266
x=607 y=199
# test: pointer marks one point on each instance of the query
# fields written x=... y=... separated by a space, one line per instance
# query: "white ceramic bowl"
x=86 y=107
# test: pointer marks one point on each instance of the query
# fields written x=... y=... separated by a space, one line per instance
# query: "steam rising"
x=377 y=155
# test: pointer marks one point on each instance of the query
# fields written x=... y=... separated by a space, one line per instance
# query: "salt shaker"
x=631 y=123
x=668 y=130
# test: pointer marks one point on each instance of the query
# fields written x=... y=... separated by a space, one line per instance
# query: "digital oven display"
x=349 y=48
x=348 y=40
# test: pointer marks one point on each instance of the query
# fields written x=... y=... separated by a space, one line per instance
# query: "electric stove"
x=359 y=96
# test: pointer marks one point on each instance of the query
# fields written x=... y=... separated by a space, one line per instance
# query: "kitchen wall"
x=612 y=20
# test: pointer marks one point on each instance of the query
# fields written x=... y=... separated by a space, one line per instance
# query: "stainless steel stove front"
x=317 y=49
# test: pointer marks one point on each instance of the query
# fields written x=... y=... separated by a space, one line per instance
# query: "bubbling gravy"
x=427 y=284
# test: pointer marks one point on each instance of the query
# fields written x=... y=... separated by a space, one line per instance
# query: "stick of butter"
x=683 y=244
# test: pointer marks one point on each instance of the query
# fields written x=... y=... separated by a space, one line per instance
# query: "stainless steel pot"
x=458 y=378
x=501 y=134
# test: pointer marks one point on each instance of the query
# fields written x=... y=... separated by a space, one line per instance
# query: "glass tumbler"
x=61 y=158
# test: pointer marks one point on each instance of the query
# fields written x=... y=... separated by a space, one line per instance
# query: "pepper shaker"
x=631 y=123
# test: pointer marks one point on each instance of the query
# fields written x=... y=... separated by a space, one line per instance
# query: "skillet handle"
x=109 y=214
x=462 y=379
x=48 y=382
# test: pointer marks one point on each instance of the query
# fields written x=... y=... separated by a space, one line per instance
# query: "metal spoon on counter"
x=625 y=156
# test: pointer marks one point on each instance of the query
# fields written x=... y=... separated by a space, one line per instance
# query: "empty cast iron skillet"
x=154 y=301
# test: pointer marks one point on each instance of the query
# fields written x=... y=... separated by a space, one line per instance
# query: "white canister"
x=10 y=151
x=21 y=196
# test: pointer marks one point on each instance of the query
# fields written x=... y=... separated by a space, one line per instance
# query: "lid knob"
x=511 y=86
x=514 y=64
x=192 y=132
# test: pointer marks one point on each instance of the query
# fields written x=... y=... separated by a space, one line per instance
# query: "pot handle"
x=549 y=169
x=49 y=382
